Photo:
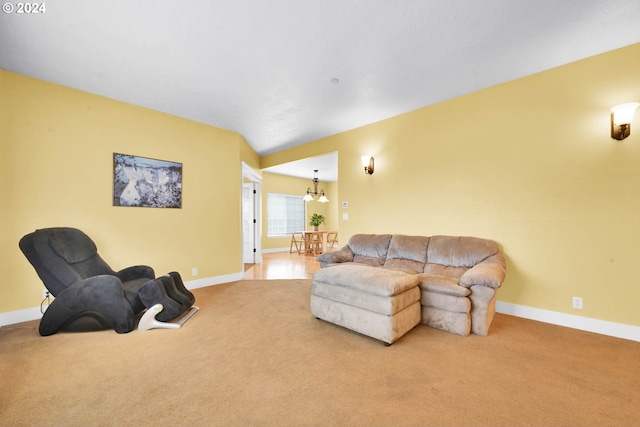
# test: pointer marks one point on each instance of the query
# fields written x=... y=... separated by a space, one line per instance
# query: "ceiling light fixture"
x=311 y=195
x=621 y=117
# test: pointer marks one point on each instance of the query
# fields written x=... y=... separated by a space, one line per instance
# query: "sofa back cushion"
x=369 y=248
x=453 y=255
x=407 y=252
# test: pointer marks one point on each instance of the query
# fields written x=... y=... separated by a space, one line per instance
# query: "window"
x=285 y=214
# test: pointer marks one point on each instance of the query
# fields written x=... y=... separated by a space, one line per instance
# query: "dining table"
x=309 y=236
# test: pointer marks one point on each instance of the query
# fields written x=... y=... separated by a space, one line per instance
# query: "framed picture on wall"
x=144 y=182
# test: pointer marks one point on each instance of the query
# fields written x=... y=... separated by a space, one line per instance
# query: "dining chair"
x=332 y=239
x=297 y=240
x=313 y=243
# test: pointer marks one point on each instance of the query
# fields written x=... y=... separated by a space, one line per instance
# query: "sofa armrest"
x=490 y=272
x=336 y=257
x=136 y=272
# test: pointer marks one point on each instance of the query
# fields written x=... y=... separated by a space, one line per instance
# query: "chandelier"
x=311 y=195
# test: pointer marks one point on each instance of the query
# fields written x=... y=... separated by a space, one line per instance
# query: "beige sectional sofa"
x=457 y=279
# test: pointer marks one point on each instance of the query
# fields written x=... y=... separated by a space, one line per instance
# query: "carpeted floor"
x=254 y=356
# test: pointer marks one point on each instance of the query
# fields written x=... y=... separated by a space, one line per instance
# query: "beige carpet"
x=254 y=356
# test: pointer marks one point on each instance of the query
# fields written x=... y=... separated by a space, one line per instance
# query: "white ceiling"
x=265 y=68
x=326 y=165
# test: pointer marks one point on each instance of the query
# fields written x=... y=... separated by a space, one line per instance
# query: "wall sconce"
x=621 y=117
x=367 y=162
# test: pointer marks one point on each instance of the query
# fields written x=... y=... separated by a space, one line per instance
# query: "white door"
x=251 y=216
x=248 y=224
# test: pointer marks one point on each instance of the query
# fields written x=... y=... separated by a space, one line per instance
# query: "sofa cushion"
x=445 y=270
x=370 y=249
x=377 y=281
x=445 y=302
x=459 y=251
x=442 y=284
x=407 y=252
x=387 y=306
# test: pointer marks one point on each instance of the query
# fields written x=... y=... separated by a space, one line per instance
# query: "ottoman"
x=381 y=303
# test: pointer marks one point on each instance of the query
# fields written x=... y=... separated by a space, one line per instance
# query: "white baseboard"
x=217 y=280
x=274 y=250
x=618 y=330
x=19 y=316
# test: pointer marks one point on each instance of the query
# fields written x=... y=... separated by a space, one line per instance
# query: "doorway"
x=251 y=216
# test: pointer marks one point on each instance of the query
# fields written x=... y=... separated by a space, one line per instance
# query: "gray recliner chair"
x=90 y=295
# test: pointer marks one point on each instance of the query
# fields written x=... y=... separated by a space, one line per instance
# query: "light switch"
x=345 y=217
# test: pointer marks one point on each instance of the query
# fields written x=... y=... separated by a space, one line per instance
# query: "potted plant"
x=316 y=220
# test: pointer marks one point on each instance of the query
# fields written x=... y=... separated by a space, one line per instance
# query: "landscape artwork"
x=143 y=182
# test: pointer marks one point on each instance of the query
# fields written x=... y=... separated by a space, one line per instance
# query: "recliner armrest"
x=100 y=297
x=490 y=272
x=336 y=257
x=136 y=272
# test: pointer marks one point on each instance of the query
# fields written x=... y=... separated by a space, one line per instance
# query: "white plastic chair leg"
x=148 y=320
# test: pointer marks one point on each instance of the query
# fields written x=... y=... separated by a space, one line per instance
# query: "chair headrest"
x=72 y=245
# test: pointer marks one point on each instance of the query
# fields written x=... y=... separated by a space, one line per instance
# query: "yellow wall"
x=249 y=156
x=529 y=164
x=274 y=183
x=57 y=147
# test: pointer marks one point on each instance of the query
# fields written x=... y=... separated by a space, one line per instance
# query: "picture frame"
x=146 y=182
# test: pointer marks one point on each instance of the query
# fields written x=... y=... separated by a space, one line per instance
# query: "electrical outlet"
x=194 y=272
x=45 y=294
x=577 y=303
